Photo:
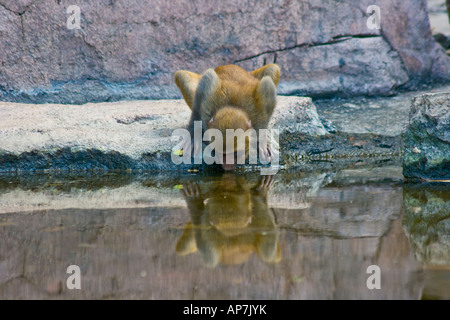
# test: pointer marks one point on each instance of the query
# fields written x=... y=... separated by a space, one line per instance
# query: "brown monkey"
x=229 y=97
x=229 y=221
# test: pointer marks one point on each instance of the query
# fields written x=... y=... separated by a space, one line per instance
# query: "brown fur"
x=229 y=221
x=229 y=97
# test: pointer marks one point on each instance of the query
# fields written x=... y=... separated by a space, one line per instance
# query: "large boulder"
x=130 y=49
x=427 y=138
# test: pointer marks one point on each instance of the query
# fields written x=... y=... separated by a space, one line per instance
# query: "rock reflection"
x=230 y=220
x=299 y=236
x=427 y=222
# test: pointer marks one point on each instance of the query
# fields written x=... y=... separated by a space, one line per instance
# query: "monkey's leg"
x=187 y=82
x=271 y=70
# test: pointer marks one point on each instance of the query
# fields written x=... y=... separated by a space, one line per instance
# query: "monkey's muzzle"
x=230 y=160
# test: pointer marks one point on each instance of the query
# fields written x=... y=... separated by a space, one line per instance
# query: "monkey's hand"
x=266 y=149
x=265 y=153
x=194 y=200
x=264 y=185
x=191 y=191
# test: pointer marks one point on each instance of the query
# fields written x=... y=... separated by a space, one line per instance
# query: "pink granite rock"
x=130 y=49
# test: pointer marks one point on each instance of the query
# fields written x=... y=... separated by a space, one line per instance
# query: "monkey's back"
x=237 y=85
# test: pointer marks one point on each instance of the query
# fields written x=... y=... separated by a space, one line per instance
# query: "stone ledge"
x=120 y=135
x=137 y=136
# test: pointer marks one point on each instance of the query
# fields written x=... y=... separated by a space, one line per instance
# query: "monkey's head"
x=234 y=147
x=228 y=208
x=228 y=97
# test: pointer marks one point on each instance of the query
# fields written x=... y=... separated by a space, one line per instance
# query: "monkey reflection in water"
x=229 y=222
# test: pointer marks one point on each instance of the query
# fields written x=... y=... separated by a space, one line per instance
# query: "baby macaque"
x=229 y=221
x=229 y=97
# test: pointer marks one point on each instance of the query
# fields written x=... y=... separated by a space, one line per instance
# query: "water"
x=234 y=236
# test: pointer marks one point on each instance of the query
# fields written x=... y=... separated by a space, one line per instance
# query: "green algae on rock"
x=427 y=138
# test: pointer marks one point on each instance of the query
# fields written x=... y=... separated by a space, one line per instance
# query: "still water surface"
x=233 y=236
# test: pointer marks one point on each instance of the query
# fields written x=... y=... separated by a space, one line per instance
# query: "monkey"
x=229 y=97
x=229 y=221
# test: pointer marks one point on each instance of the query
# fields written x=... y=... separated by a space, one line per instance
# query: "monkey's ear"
x=205 y=94
x=187 y=82
x=266 y=95
x=271 y=70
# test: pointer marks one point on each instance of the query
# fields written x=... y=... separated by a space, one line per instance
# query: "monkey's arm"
x=266 y=242
x=265 y=94
x=205 y=99
x=260 y=209
x=265 y=102
x=203 y=106
x=194 y=200
x=198 y=235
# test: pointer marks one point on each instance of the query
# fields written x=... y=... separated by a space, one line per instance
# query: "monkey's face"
x=229 y=213
x=236 y=142
x=228 y=207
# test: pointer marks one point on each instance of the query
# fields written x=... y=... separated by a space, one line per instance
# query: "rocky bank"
x=137 y=135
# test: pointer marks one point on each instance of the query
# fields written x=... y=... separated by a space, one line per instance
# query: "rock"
x=443 y=40
x=118 y=135
x=344 y=68
x=129 y=50
x=294 y=114
x=427 y=58
x=427 y=138
x=387 y=116
x=427 y=222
